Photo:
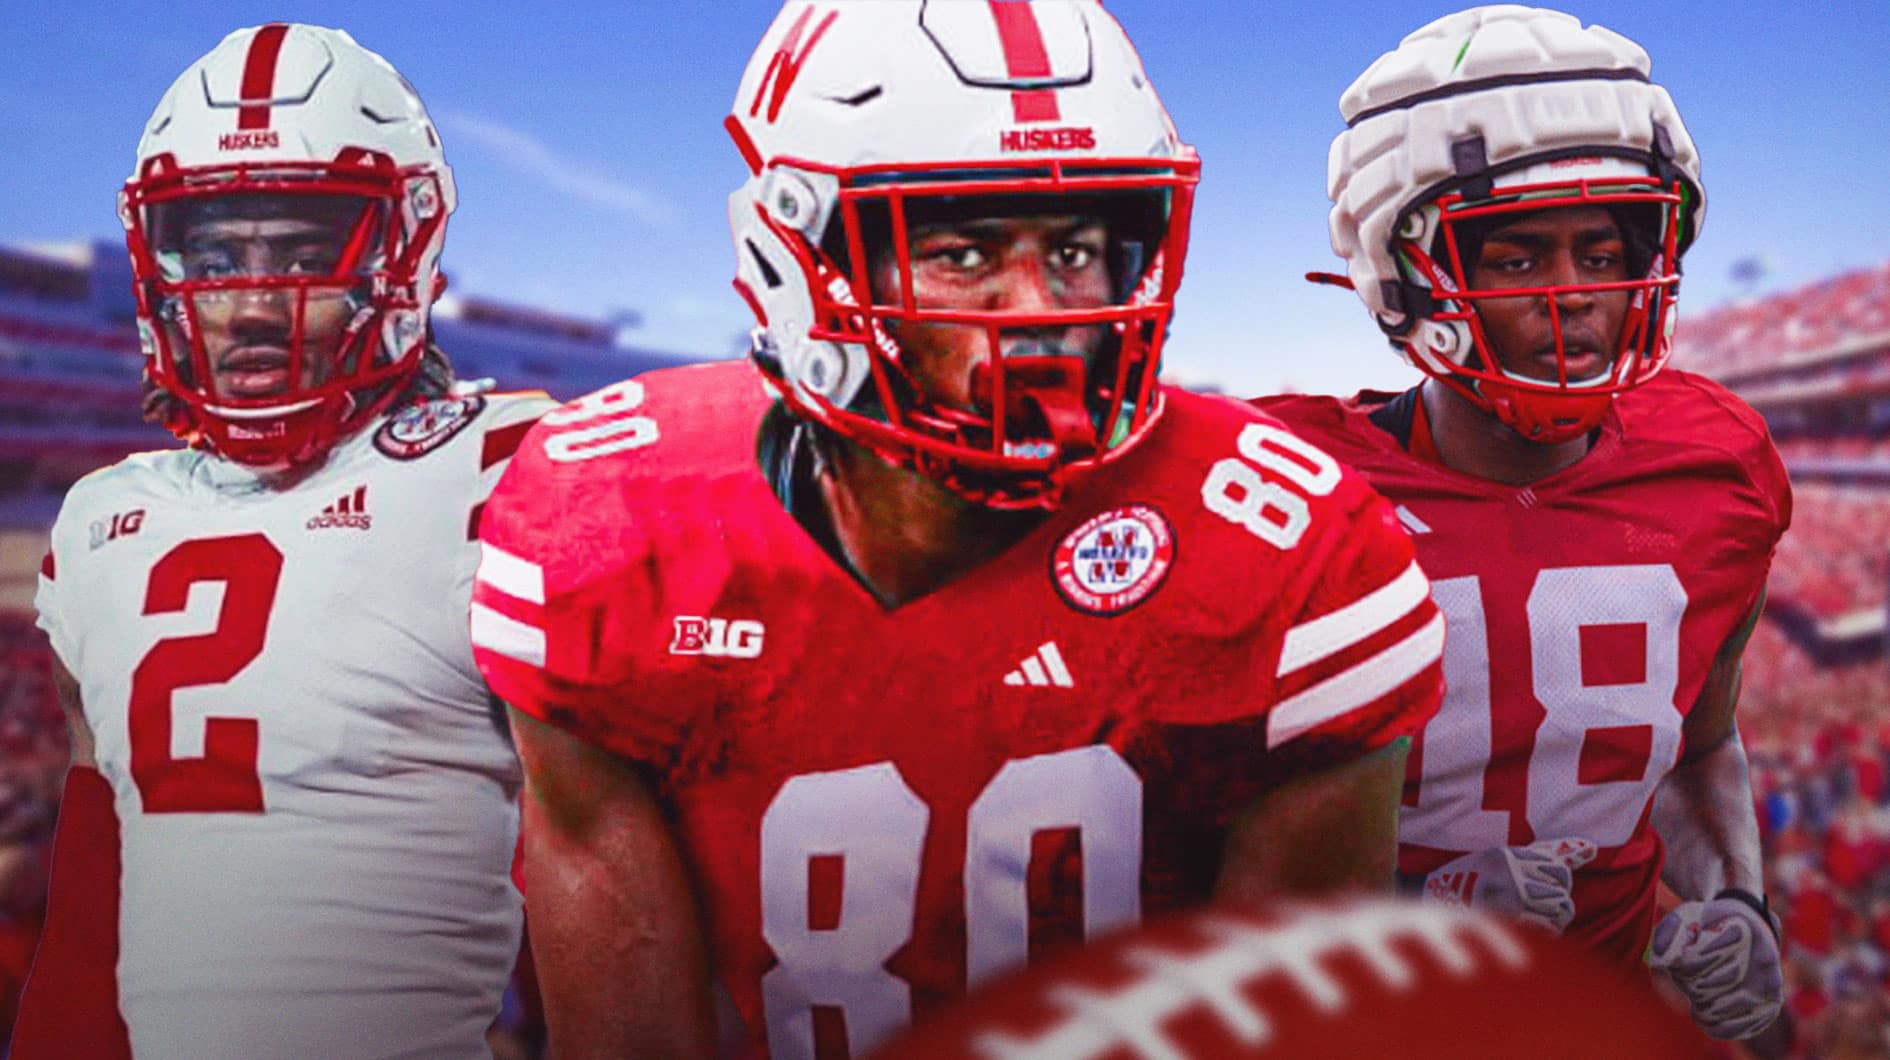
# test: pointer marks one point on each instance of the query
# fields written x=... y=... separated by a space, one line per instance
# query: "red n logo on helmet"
x=787 y=61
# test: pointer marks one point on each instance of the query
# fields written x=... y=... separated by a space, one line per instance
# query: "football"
x=1357 y=978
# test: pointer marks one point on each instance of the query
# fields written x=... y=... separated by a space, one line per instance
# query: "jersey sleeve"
x=1343 y=658
x=502 y=429
x=506 y=426
x=50 y=599
x=69 y=1005
x=1360 y=665
x=560 y=594
x=1770 y=477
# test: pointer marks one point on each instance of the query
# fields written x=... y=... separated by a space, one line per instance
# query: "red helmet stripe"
x=259 y=76
x=1024 y=56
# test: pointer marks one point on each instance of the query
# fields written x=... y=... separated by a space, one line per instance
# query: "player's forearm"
x=1331 y=831
x=621 y=973
x=615 y=934
x=1704 y=814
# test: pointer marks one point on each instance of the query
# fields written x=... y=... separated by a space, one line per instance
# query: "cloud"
x=527 y=154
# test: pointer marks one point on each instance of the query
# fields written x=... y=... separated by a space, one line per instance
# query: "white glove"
x=1535 y=882
x=1724 y=957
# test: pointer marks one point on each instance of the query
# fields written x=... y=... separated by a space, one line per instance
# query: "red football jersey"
x=1601 y=594
x=880 y=805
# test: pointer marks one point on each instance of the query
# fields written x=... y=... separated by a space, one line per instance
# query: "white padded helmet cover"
x=1529 y=81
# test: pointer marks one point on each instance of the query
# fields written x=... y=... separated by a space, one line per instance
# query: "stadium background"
x=1777 y=309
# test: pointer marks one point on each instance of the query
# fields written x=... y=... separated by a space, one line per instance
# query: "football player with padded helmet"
x=1512 y=195
x=289 y=822
x=937 y=634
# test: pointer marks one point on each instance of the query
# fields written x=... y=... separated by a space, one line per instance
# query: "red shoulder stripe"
x=501 y=443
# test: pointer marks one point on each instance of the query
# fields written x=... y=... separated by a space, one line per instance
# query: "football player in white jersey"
x=290 y=819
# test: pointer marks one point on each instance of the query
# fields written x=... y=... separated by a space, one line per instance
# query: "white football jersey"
x=316 y=801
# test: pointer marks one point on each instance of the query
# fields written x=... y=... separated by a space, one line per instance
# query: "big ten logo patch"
x=123 y=524
x=738 y=638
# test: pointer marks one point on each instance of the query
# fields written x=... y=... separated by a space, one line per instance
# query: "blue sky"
x=593 y=168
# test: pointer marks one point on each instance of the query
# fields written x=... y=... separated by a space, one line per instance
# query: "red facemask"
x=1555 y=410
x=1034 y=422
x=281 y=304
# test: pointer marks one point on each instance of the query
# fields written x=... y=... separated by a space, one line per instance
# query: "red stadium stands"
x=1815 y=709
x=1824 y=321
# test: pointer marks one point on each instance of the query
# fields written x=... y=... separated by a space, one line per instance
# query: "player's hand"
x=1724 y=957
x=1535 y=882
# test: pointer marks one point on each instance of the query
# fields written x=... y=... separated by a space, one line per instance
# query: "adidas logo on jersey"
x=349 y=512
x=1042 y=668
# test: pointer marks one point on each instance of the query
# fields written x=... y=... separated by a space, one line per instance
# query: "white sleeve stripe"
x=1351 y=689
x=1309 y=642
x=507 y=636
x=511 y=575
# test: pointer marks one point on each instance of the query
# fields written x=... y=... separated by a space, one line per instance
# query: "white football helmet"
x=288 y=120
x=856 y=116
x=1493 y=112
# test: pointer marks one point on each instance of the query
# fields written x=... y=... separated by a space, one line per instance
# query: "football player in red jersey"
x=938 y=634
x=1512 y=196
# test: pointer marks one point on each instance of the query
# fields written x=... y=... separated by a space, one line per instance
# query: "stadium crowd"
x=1833 y=561
x=1818 y=739
x=1764 y=335
x=1845 y=447
x=32 y=769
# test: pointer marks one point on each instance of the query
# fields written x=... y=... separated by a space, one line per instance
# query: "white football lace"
x=1096 y=1022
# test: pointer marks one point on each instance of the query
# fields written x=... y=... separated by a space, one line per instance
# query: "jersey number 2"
x=225 y=779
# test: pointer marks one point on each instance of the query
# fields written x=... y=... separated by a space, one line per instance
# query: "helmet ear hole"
x=823 y=369
x=1443 y=341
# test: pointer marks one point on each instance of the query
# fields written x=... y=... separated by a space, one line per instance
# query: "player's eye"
x=317 y=261
x=1076 y=254
x=209 y=263
x=958 y=255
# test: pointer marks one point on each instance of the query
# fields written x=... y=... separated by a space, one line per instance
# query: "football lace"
x=1097 y=1022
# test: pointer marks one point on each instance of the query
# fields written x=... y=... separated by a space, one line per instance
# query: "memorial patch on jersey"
x=417 y=429
x=1115 y=560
